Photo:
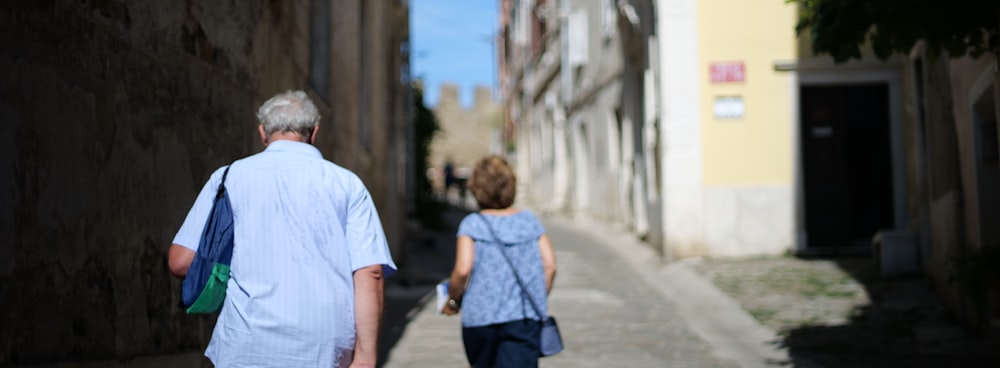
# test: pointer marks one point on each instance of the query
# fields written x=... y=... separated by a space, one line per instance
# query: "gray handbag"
x=551 y=340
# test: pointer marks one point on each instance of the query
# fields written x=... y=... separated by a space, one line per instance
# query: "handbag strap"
x=222 y=184
x=512 y=269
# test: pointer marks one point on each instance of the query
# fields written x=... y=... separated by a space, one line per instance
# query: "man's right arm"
x=179 y=259
x=369 y=289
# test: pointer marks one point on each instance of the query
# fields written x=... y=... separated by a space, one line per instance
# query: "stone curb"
x=711 y=314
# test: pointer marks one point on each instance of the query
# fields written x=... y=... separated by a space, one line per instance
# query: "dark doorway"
x=847 y=168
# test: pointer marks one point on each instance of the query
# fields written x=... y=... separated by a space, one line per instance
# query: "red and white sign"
x=727 y=71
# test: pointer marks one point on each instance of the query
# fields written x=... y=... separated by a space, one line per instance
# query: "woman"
x=500 y=327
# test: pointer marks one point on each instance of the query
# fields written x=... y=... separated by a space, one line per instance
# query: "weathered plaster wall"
x=114 y=113
x=113 y=116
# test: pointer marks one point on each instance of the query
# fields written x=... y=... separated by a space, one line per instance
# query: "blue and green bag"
x=204 y=286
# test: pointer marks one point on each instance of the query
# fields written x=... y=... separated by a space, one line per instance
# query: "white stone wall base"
x=742 y=221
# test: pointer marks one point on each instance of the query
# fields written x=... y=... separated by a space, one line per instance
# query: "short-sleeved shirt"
x=493 y=294
x=302 y=226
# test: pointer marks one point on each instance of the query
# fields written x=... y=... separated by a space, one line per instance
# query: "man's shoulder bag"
x=204 y=286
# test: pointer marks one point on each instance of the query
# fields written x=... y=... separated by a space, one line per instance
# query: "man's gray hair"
x=291 y=111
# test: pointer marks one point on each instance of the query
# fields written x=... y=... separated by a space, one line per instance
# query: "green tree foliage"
x=956 y=27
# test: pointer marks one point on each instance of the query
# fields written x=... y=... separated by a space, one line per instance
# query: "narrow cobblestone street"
x=619 y=306
x=609 y=315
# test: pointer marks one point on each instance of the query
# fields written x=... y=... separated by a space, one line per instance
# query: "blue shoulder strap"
x=516 y=276
x=222 y=184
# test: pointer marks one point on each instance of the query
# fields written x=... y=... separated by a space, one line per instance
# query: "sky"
x=452 y=42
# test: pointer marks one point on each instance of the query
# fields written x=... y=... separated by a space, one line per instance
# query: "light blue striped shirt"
x=302 y=226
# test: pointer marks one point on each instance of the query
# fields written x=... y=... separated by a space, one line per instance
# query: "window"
x=364 y=116
x=609 y=18
x=319 y=48
x=984 y=118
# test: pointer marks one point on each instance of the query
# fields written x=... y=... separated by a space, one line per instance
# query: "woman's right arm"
x=548 y=261
x=465 y=256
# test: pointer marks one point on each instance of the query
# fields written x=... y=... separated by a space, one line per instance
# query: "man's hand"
x=357 y=364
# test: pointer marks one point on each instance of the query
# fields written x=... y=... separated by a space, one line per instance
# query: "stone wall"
x=466 y=134
x=114 y=114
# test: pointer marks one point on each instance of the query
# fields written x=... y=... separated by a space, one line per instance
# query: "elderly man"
x=309 y=257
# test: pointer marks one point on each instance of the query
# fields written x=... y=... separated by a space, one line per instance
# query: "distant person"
x=462 y=180
x=499 y=327
x=449 y=175
x=310 y=254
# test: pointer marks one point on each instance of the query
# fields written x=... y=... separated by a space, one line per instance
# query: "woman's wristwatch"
x=454 y=304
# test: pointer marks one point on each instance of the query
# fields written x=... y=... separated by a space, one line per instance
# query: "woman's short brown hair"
x=493 y=183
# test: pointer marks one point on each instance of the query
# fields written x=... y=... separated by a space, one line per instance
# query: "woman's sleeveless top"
x=493 y=294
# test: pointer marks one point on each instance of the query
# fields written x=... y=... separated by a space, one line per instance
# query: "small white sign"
x=728 y=107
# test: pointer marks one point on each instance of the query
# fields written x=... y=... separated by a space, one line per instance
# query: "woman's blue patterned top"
x=493 y=294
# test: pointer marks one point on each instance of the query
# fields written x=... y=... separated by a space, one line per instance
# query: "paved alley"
x=609 y=312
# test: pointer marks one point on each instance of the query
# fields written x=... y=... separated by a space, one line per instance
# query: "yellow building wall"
x=757 y=148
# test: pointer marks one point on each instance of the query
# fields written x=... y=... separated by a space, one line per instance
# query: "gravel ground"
x=785 y=292
x=838 y=313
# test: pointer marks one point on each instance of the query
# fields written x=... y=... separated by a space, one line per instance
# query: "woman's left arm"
x=548 y=261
